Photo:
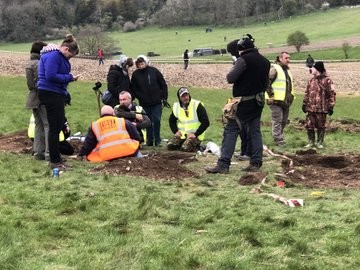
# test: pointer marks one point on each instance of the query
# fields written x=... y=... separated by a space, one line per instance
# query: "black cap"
x=319 y=66
x=246 y=42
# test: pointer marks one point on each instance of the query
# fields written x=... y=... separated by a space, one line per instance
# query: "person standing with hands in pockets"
x=54 y=77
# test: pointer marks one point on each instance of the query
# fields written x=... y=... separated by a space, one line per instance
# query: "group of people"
x=253 y=76
x=124 y=126
x=48 y=74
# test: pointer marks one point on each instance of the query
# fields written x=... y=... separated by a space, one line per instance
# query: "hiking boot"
x=310 y=145
x=217 y=169
x=311 y=137
x=39 y=157
x=149 y=143
x=319 y=146
x=252 y=168
x=243 y=157
x=281 y=144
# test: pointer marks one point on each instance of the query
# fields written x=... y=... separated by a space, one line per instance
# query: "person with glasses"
x=54 y=75
x=188 y=121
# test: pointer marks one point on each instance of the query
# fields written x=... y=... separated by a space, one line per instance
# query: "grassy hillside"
x=340 y=24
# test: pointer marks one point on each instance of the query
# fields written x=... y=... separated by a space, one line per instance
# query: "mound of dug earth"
x=306 y=168
x=157 y=166
x=313 y=170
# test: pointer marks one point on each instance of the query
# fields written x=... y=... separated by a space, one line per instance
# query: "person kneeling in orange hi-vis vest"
x=109 y=138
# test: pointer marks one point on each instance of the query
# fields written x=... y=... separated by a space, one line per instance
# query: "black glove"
x=124 y=108
x=165 y=103
x=303 y=108
x=330 y=111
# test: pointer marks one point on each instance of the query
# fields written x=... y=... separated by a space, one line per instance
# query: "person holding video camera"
x=129 y=110
x=250 y=78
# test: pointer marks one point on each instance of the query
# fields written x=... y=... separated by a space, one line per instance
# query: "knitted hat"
x=319 y=66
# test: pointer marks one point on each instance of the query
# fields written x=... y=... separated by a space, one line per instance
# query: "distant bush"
x=129 y=27
x=297 y=39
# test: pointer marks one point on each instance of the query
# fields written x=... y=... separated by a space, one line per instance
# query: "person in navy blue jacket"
x=54 y=74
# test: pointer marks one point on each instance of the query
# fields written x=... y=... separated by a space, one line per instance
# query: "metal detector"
x=98 y=94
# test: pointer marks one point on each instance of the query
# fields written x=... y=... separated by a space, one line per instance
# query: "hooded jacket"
x=202 y=117
x=148 y=86
x=31 y=70
x=117 y=80
x=54 y=71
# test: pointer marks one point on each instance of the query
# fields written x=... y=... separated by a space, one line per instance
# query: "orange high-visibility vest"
x=113 y=140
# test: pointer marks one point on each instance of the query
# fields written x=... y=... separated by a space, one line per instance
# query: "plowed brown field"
x=346 y=75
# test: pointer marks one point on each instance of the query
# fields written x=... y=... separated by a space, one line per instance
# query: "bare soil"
x=344 y=74
x=308 y=168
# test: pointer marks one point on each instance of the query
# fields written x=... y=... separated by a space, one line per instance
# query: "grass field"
x=340 y=24
x=96 y=221
x=88 y=221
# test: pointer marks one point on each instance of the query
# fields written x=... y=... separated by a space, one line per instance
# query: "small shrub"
x=129 y=27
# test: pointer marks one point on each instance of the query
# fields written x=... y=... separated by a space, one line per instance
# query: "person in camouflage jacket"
x=319 y=100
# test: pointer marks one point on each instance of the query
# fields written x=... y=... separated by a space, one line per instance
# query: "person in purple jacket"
x=54 y=75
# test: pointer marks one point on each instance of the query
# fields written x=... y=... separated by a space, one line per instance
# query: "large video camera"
x=97 y=86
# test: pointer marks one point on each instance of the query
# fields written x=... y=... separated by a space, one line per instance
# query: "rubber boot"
x=311 y=136
x=320 y=141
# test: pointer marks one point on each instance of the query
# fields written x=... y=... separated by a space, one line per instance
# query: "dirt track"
x=345 y=75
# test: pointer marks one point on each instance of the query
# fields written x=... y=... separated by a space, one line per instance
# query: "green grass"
x=340 y=24
x=87 y=221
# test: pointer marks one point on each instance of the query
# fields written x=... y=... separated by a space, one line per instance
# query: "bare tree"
x=91 y=38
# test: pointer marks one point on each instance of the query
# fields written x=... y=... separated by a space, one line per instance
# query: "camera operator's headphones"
x=246 y=42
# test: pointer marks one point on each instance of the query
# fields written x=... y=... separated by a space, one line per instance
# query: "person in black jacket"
x=186 y=58
x=118 y=79
x=250 y=78
x=245 y=150
x=149 y=87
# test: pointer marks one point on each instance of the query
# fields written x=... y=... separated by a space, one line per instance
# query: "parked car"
x=202 y=52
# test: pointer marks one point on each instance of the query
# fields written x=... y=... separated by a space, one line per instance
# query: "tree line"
x=26 y=20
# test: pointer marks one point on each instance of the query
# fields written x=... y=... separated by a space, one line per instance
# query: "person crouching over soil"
x=110 y=138
x=188 y=121
x=319 y=100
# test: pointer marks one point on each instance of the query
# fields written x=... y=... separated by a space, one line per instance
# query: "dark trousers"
x=153 y=132
x=231 y=133
x=55 y=110
x=245 y=141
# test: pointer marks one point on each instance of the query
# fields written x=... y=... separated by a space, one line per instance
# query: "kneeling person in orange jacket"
x=109 y=138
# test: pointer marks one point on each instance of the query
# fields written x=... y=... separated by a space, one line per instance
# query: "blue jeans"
x=231 y=133
x=153 y=132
